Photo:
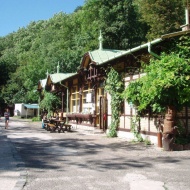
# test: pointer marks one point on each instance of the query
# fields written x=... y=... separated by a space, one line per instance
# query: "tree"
x=118 y=21
x=162 y=17
x=50 y=102
x=27 y=54
x=166 y=83
x=164 y=88
x=183 y=47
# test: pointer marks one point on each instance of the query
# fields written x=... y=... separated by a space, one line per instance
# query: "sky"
x=15 y=14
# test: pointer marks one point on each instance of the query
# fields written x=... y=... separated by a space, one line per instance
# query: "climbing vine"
x=115 y=87
x=135 y=128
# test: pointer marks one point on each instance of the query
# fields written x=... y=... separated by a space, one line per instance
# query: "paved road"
x=81 y=160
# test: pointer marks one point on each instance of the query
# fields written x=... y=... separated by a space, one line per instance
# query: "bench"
x=64 y=127
x=51 y=127
x=67 y=127
x=60 y=127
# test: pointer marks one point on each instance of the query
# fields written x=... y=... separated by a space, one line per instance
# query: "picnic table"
x=59 y=125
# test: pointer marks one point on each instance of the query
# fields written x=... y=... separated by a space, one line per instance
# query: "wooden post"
x=159 y=135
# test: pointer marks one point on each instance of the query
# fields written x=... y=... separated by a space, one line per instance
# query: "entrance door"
x=103 y=113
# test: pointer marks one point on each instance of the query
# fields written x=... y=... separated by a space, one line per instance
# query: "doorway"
x=103 y=113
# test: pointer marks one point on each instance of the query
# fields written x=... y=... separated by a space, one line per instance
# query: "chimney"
x=187 y=18
x=100 y=41
x=58 y=68
x=47 y=74
x=187 y=15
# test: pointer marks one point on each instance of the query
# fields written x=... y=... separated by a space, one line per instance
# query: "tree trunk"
x=169 y=130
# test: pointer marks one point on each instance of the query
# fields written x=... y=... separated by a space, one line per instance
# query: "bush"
x=182 y=140
x=36 y=119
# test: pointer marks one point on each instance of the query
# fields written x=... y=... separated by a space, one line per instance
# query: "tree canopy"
x=50 y=103
x=166 y=83
x=27 y=54
x=162 y=17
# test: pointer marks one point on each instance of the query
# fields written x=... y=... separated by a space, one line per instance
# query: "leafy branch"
x=50 y=102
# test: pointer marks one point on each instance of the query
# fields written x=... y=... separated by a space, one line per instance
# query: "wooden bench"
x=60 y=127
x=67 y=127
x=51 y=127
x=64 y=127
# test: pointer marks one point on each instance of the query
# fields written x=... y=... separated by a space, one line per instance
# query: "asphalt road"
x=81 y=160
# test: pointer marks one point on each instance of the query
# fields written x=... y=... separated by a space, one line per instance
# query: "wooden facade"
x=84 y=94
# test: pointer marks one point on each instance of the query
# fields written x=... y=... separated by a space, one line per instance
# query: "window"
x=75 y=100
x=87 y=106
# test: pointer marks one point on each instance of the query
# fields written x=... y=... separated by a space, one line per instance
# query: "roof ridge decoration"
x=100 y=41
x=58 y=67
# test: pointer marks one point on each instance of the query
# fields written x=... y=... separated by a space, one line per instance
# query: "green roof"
x=101 y=56
x=58 y=77
x=31 y=106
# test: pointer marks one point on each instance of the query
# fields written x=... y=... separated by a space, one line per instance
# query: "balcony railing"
x=81 y=117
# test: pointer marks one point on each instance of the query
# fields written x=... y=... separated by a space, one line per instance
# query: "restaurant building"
x=84 y=99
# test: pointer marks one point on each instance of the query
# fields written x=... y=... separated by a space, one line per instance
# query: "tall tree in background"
x=161 y=16
x=121 y=25
x=39 y=48
x=118 y=21
x=26 y=55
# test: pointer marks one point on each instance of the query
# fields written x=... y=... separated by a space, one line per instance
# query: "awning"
x=31 y=106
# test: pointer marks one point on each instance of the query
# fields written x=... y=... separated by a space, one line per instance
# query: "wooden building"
x=84 y=100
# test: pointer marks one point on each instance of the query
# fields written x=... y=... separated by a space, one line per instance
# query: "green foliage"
x=36 y=119
x=50 y=102
x=135 y=129
x=183 y=47
x=181 y=131
x=118 y=21
x=27 y=54
x=182 y=140
x=162 y=17
x=181 y=136
x=114 y=86
x=147 y=142
x=134 y=87
x=166 y=83
x=31 y=51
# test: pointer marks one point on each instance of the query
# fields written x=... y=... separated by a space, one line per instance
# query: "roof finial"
x=47 y=73
x=58 y=67
x=100 y=41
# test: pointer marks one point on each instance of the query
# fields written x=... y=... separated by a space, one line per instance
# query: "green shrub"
x=36 y=119
x=182 y=140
